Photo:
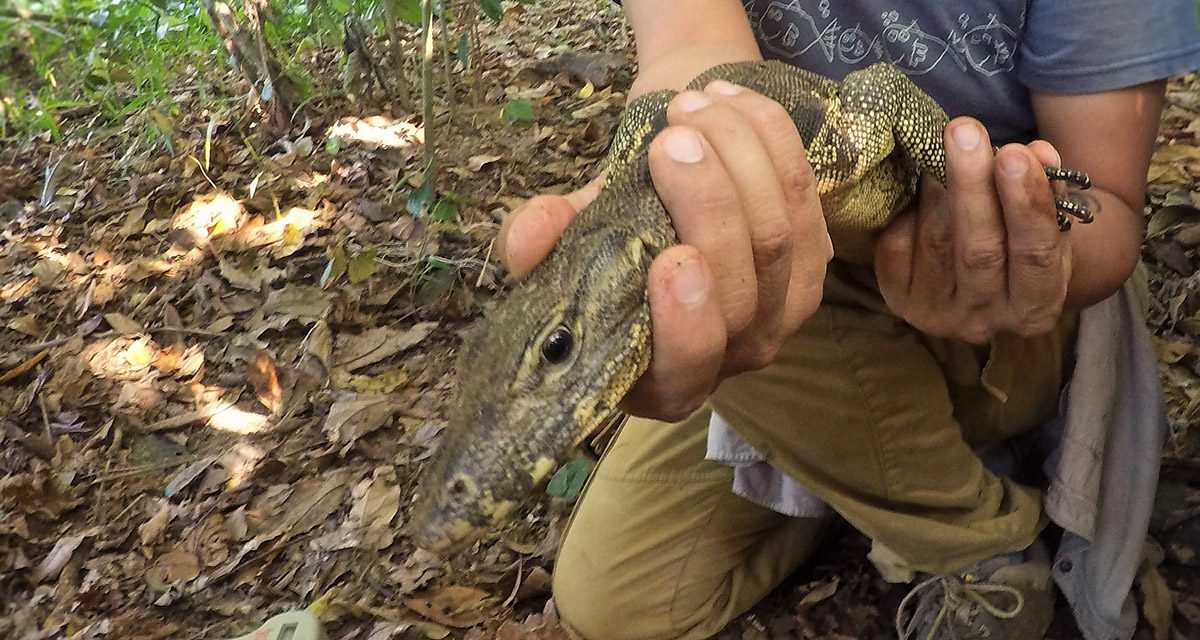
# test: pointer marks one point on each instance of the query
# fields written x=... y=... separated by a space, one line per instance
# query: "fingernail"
x=1013 y=166
x=690 y=101
x=683 y=145
x=689 y=284
x=724 y=88
x=966 y=136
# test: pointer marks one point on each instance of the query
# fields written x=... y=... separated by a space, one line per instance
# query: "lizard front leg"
x=884 y=97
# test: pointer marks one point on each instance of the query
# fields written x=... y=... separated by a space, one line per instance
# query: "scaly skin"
x=549 y=361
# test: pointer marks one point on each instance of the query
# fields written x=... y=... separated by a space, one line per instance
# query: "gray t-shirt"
x=981 y=58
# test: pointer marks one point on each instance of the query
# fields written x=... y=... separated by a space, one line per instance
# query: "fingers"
x=707 y=212
x=979 y=251
x=894 y=262
x=689 y=337
x=791 y=244
x=1038 y=262
x=742 y=156
x=751 y=207
x=529 y=232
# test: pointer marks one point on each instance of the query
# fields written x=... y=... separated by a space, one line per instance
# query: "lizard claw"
x=1067 y=207
x=1078 y=179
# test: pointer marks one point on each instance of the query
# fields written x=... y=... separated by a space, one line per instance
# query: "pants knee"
x=591 y=608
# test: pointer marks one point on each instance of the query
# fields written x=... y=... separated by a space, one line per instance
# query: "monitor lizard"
x=549 y=362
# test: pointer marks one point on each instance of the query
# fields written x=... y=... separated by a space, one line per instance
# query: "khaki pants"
x=874 y=418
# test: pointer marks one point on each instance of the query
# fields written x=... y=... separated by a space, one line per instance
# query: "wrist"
x=675 y=69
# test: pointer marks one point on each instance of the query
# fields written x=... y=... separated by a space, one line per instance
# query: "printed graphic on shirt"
x=791 y=29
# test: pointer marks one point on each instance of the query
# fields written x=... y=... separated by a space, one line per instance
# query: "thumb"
x=530 y=231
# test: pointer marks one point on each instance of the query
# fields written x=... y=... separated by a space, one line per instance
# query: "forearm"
x=1110 y=136
x=1104 y=252
x=678 y=40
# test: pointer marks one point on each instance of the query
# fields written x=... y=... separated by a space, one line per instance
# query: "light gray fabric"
x=1103 y=468
x=755 y=479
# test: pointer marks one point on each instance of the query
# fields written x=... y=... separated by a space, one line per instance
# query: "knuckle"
x=797 y=179
x=1041 y=254
x=938 y=240
x=983 y=257
x=756 y=105
x=758 y=356
x=773 y=245
x=739 y=308
x=803 y=304
x=1035 y=327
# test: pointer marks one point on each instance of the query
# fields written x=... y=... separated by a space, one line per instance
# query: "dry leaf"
x=823 y=592
x=150 y=530
x=266 y=382
x=452 y=606
x=377 y=500
x=186 y=476
x=26 y=324
x=475 y=163
x=58 y=558
x=171 y=572
x=354 y=352
x=123 y=324
x=1158 y=606
x=299 y=302
x=353 y=417
x=249 y=277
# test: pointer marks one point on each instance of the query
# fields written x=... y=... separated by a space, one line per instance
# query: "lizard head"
x=546 y=365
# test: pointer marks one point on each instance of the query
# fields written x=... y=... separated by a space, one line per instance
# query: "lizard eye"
x=558 y=345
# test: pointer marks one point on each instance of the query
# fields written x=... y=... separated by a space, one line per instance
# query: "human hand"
x=750 y=269
x=984 y=254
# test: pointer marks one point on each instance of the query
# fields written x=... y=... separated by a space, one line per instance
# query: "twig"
x=24 y=366
x=451 y=99
x=102 y=476
x=45 y=418
x=487 y=258
x=427 y=93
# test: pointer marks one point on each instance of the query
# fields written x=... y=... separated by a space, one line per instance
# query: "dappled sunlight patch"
x=54 y=266
x=377 y=132
x=239 y=464
x=307 y=181
x=127 y=357
x=226 y=417
x=207 y=216
x=285 y=235
x=17 y=290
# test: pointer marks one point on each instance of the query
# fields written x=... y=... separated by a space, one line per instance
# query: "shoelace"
x=956 y=593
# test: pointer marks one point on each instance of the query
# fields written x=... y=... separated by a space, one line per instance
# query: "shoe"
x=1009 y=597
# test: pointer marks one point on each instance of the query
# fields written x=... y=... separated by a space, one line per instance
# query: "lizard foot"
x=1066 y=206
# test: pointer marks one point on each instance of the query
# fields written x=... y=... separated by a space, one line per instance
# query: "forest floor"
x=222 y=367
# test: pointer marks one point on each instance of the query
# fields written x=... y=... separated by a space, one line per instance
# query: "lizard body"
x=549 y=361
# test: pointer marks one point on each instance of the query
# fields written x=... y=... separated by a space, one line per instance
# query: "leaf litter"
x=220 y=377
